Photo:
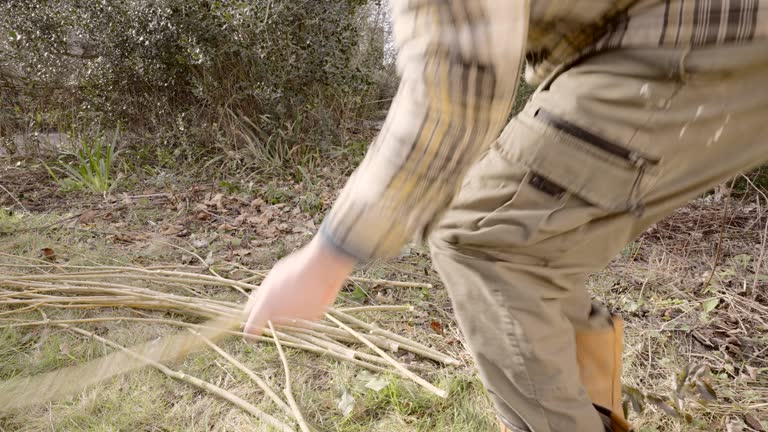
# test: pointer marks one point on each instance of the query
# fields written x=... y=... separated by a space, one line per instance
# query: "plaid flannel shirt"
x=459 y=62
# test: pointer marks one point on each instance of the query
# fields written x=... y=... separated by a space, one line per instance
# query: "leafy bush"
x=236 y=76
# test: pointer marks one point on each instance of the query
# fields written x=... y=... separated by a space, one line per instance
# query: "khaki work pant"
x=603 y=150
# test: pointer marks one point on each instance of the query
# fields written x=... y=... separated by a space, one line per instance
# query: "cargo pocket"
x=602 y=172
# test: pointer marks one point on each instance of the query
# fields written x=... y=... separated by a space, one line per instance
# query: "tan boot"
x=598 y=352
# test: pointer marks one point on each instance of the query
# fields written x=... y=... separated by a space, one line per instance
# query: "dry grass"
x=693 y=292
x=679 y=312
x=145 y=400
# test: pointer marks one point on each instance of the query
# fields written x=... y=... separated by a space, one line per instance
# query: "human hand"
x=300 y=286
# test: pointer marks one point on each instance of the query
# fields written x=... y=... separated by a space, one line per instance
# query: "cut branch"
x=288 y=394
x=194 y=381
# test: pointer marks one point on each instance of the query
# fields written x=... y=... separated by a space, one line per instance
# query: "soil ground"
x=692 y=291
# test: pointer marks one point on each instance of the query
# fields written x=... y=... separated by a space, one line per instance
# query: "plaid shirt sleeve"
x=459 y=62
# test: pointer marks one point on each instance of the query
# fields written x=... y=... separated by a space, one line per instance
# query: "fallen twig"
x=377 y=309
x=197 y=382
x=249 y=373
x=397 y=284
x=301 y=345
x=406 y=344
x=260 y=275
x=419 y=380
x=287 y=390
x=13 y=197
x=94 y=287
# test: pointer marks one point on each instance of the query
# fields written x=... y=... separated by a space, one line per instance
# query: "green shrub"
x=92 y=167
x=247 y=80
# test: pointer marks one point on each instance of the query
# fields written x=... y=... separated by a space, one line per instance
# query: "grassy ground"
x=692 y=291
x=139 y=229
x=679 y=312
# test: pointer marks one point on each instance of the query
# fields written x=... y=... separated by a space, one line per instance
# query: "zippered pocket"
x=605 y=173
x=583 y=135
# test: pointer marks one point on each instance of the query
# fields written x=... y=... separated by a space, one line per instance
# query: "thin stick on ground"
x=377 y=309
x=197 y=382
x=13 y=197
x=419 y=380
x=302 y=345
x=249 y=373
x=405 y=343
x=391 y=283
x=199 y=258
x=759 y=264
x=95 y=287
x=23 y=309
x=719 y=243
x=260 y=275
x=288 y=394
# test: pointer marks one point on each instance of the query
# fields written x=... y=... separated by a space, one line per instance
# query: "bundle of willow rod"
x=44 y=286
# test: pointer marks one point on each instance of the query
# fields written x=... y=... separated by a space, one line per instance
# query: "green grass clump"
x=92 y=167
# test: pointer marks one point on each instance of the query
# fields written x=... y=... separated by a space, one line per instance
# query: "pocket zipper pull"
x=637 y=160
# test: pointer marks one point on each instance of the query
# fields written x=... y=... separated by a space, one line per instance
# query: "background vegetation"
x=219 y=81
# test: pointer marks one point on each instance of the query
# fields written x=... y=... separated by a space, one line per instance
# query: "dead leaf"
x=377 y=384
x=754 y=423
x=706 y=391
x=219 y=200
x=734 y=425
x=752 y=372
x=346 y=404
x=239 y=220
x=710 y=304
x=203 y=216
x=125 y=238
x=172 y=230
x=87 y=216
x=242 y=252
x=407 y=358
x=269 y=235
x=300 y=230
x=213 y=200
x=436 y=327
x=8 y=246
x=199 y=243
x=48 y=254
x=258 y=202
x=664 y=406
x=226 y=227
